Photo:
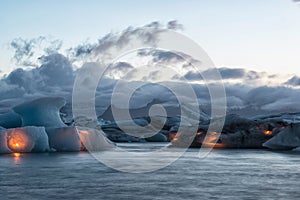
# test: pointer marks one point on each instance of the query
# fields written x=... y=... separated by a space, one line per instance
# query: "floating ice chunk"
x=287 y=139
x=41 y=112
x=64 y=139
x=159 y=137
x=297 y=149
x=94 y=140
x=10 y=120
x=26 y=139
x=77 y=138
x=3 y=142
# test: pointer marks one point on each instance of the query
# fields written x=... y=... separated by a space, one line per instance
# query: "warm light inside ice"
x=17 y=141
x=268 y=132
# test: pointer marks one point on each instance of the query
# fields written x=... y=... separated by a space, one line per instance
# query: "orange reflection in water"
x=17 y=155
x=17 y=158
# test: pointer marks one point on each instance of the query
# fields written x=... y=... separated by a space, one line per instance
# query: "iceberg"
x=297 y=149
x=74 y=139
x=10 y=120
x=41 y=112
x=159 y=137
x=23 y=140
x=43 y=130
x=3 y=142
x=287 y=139
x=94 y=140
x=64 y=139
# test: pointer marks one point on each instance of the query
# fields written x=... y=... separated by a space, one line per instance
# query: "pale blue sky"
x=256 y=34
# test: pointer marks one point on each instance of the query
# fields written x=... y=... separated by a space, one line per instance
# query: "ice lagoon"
x=224 y=174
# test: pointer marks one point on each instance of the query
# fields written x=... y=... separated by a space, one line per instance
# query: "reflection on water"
x=226 y=174
x=16 y=157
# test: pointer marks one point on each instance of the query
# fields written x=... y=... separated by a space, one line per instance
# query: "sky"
x=262 y=35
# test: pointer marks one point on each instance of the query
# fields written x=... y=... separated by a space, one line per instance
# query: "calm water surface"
x=224 y=174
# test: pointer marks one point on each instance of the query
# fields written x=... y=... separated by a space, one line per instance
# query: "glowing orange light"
x=213 y=145
x=173 y=137
x=210 y=141
x=199 y=133
x=83 y=135
x=85 y=132
x=17 y=141
x=268 y=132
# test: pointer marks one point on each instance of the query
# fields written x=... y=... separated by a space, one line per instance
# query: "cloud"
x=10 y=91
x=56 y=70
x=294 y=81
x=232 y=73
x=24 y=49
x=82 y=50
x=118 y=69
x=55 y=78
x=105 y=46
x=226 y=73
x=54 y=75
x=27 y=80
x=174 y=25
x=162 y=56
x=27 y=50
x=192 y=76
